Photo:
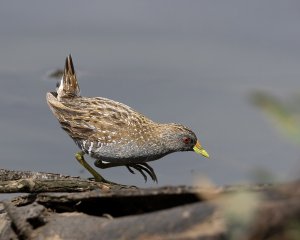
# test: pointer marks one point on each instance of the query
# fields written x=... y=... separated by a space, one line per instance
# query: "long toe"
x=149 y=170
x=143 y=168
x=130 y=169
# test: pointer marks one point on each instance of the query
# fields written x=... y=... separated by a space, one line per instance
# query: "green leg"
x=98 y=178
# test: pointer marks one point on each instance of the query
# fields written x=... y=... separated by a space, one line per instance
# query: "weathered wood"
x=35 y=182
x=234 y=212
x=6 y=230
x=10 y=175
x=278 y=217
x=193 y=221
x=34 y=186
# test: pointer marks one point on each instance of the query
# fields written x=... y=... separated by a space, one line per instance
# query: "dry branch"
x=252 y=212
x=36 y=182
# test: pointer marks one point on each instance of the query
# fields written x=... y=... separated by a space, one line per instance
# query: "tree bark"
x=252 y=212
x=36 y=182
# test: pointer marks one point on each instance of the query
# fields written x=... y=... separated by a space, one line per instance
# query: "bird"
x=113 y=133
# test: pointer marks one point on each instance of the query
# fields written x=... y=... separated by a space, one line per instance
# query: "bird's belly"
x=120 y=153
x=125 y=157
x=123 y=160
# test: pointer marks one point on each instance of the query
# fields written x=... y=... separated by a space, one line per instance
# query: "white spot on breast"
x=91 y=147
x=83 y=145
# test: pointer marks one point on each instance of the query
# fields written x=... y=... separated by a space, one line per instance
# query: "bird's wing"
x=95 y=119
x=68 y=116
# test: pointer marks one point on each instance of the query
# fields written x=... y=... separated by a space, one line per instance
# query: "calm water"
x=189 y=62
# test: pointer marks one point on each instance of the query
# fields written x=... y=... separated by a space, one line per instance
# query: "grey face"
x=179 y=138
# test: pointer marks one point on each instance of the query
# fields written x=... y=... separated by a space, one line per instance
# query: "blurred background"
x=226 y=69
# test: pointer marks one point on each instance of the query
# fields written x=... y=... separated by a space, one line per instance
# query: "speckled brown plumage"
x=113 y=133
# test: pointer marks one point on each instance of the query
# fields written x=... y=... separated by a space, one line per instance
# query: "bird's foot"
x=142 y=168
x=97 y=177
x=116 y=185
x=79 y=157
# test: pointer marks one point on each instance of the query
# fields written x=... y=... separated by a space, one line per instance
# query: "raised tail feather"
x=68 y=87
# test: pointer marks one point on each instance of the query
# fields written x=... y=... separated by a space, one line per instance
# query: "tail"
x=68 y=87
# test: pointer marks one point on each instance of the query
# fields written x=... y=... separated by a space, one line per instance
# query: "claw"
x=150 y=173
x=142 y=168
x=130 y=170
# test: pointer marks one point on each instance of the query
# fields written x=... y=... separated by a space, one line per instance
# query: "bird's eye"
x=186 y=140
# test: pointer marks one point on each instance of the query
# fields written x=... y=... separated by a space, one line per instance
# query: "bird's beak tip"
x=200 y=150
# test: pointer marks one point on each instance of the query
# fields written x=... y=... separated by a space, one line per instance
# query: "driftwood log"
x=72 y=208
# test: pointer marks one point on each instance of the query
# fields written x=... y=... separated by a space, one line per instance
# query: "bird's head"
x=177 y=138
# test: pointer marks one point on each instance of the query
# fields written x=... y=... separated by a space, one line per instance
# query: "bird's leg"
x=98 y=178
x=79 y=157
x=140 y=167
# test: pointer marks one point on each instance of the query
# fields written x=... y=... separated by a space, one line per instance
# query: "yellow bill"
x=200 y=150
